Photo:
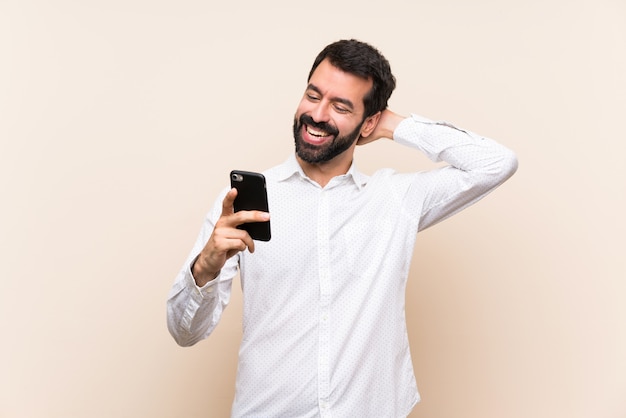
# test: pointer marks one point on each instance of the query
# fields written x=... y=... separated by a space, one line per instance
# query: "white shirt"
x=324 y=330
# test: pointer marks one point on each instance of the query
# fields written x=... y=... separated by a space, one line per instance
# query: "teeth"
x=315 y=132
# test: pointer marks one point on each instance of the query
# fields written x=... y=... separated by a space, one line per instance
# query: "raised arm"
x=477 y=165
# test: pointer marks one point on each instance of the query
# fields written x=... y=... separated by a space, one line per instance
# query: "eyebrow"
x=334 y=99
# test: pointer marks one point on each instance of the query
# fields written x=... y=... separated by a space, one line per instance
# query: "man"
x=324 y=330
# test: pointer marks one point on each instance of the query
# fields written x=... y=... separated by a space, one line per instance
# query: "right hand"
x=226 y=240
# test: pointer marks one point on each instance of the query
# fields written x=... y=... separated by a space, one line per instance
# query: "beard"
x=324 y=152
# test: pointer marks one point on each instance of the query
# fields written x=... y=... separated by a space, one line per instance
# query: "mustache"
x=322 y=126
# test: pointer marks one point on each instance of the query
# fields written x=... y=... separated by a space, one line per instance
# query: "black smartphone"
x=251 y=195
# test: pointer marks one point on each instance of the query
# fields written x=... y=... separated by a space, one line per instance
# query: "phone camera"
x=237 y=177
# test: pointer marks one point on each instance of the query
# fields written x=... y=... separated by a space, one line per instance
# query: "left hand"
x=387 y=123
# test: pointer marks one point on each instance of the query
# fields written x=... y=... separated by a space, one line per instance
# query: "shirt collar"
x=291 y=167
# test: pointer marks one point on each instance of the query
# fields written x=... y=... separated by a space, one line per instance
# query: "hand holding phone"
x=225 y=241
x=251 y=195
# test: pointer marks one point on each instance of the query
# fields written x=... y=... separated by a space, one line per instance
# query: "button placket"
x=323 y=241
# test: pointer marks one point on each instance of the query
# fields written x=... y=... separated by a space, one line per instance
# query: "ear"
x=370 y=124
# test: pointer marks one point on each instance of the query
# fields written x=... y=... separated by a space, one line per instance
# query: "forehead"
x=334 y=83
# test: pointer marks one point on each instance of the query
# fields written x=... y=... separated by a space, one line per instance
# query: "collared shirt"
x=324 y=330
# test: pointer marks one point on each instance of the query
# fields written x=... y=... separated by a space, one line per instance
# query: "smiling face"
x=330 y=117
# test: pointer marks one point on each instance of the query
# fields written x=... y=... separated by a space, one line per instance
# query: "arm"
x=226 y=240
x=476 y=166
x=201 y=290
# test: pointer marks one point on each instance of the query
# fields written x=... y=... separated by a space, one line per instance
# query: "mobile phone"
x=251 y=195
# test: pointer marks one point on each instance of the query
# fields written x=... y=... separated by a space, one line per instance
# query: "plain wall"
x=119 y=123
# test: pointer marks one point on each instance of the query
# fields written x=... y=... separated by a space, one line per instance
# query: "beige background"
x=119 y=121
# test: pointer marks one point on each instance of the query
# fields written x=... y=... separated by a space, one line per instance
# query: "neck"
x=322 y=173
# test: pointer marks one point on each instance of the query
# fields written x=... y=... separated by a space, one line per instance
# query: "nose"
x=320 y=112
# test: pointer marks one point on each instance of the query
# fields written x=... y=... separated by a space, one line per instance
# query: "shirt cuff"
x=205 y=291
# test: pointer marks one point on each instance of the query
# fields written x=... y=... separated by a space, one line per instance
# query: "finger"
x=227 y=203
x=247 y=216
x=249 y=242
x=239 y=243
x=232 y=240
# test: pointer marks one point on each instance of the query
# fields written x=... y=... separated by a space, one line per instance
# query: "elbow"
x=509 y=165
x=184 y=342
x=183 y=339
x=500 y=169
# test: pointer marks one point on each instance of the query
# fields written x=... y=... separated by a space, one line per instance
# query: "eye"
x=341 y=109
x=312 y=97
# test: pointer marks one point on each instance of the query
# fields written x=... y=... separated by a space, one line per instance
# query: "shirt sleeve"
x=475 y=166
x=193 y=312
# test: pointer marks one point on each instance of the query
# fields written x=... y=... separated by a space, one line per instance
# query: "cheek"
x=346 y=126
x=303 y=107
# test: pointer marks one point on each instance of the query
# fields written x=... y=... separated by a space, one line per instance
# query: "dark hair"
x=365 y=61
